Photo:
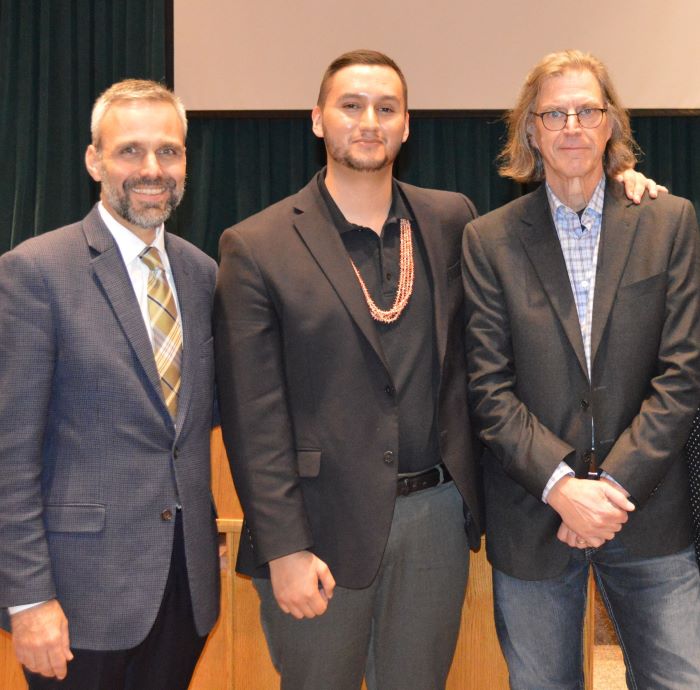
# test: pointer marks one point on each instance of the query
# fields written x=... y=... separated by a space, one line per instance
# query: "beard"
x=144 y=214
x=343 y=156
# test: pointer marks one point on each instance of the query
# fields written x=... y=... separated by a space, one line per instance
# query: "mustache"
x=167 y=182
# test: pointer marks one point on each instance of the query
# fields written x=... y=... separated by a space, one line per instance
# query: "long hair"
x=522 y=162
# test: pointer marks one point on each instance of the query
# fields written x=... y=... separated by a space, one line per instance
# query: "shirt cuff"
x=16 y=609
x=603 y=473
x=563 y=470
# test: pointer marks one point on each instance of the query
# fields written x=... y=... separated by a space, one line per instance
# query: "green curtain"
x=239 y=165
x=56 y=57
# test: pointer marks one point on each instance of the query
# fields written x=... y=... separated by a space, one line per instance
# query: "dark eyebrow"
x=350 y=95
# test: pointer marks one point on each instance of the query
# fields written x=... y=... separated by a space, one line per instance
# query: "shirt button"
x=389 y=457
x=166 y=515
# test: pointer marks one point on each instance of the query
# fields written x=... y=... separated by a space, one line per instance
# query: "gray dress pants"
x=401 y=631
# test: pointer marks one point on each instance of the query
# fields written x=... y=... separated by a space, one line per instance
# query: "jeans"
x=654 y=604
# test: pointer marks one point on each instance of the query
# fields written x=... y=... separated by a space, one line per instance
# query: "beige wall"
x=457 y=54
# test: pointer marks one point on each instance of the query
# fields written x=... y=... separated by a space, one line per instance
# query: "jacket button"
x=176 y=452
x=389 y=390
x=584 y=404
x=388 y=457
x=166 y=515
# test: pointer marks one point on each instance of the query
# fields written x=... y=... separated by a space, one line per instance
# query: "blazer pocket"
x=309 y=463
x=643 y=287
x=76 y=517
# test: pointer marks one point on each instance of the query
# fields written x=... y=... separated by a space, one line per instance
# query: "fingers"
x=584 y=507
x=327 y=581
x=302 y=584
x=41 y=640
x=617 y=497
x=576 y=541
x=636 y=184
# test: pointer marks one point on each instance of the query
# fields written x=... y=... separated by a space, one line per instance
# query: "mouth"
x=150 y=187
x=149 y=191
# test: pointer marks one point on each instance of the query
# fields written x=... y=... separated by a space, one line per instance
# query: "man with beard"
x=108 y=544
x=342 y=384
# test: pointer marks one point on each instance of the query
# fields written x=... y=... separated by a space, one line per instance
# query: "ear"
x=405 y=129
x=92 y=163
x=317 y=122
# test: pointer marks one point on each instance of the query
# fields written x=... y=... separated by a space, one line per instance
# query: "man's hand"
x=592 y=511
x=40 y=639
x=570 y=538
x=636 y=184
x=302 y=584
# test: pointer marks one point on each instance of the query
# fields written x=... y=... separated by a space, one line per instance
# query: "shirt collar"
x=397 y=210
x=130 y=246
x=594 y=207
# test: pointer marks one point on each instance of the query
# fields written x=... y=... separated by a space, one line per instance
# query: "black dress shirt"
x=409 y=342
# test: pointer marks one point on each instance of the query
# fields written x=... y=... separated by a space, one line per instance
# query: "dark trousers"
x=165 y=660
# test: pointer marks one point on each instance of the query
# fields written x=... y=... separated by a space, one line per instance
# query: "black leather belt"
x=424 y=480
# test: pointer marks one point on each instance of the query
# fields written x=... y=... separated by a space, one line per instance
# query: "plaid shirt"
x=579 y=240
x=579 y=244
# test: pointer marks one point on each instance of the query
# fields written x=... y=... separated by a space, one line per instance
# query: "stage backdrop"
x=56 y=56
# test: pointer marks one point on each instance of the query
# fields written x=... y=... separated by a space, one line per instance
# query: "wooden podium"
x=236 y=657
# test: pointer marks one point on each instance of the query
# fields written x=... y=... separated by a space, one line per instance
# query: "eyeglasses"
x=555 y=120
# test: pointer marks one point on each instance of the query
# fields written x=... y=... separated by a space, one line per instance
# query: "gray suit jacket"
x=308 y=408
x=532 y=400
x=89 y=457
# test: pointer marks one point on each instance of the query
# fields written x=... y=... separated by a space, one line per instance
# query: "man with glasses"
x=583 y=344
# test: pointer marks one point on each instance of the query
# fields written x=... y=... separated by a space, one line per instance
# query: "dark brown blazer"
x=532 y=400
x=309 y=415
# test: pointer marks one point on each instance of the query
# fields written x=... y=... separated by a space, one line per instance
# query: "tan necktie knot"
x=165 y=326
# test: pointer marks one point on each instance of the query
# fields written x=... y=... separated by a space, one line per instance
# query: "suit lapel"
x=428 y=227
x=617 y=235
x=111 y=274
x=541 y=244
x=188 y=313
x=316 y=229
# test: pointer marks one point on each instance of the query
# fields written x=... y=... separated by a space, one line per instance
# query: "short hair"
x=133 y=90
x=359 y=57
x=521 y=161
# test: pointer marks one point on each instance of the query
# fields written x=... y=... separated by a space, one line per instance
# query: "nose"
x=572 y=121
x=369 y=117
x=150 y=167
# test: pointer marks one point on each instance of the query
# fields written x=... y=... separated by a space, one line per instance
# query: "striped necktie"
x=167 y=331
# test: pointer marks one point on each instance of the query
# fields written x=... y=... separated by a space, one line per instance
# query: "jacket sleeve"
x=255 y=419
x=27 y=354
x=527 y=450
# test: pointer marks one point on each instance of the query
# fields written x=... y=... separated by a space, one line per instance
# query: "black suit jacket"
x=532 y=399
x=308 y=412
